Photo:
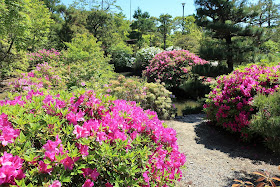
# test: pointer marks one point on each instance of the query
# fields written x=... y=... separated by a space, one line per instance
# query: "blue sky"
x=154 y=7
x=157 y=7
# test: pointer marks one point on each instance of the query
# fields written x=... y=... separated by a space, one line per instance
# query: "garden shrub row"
x=56 y=138
x=153 y=96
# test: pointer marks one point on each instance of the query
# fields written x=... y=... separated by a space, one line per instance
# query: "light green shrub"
x=121 y=56
x=85 y=62
x=153 y=96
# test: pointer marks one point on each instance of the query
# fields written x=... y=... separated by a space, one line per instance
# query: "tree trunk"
x=9 y=50
x=11 y=45
x=164 y=41
x=229 y=53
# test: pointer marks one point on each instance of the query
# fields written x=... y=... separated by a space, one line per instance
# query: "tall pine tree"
x=227 y=20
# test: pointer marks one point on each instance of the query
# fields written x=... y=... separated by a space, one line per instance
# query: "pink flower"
x=10 y=168
x=68 y=163
x=55 y=183
x=108 y=184
x=81 y=132
x=83 y=149
x=101 y=136
x=91 y=173
x=74 y=118
x=51 y=145
x=8 y=135
x=43 y=167
x=146 y=177
x=88 y=183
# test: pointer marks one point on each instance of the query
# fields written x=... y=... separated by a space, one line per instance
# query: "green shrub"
x=121 y=56
x=159 y=99
x=210 y=70
x=85 y=62
x=151 y=96
x=194 y=88
x=195 y=107
x=266 y=122
x=12 y=64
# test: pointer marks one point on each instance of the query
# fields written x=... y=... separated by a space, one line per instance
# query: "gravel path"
x=215 y=158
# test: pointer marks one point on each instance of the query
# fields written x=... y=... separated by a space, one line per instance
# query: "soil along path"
x=215 y=158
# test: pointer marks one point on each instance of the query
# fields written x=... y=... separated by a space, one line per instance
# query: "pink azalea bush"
x=60 y=139
x=230 y=103
x=51 y=56
x=172 y=67
x=43 y=76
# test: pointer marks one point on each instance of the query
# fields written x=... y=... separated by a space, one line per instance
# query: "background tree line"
x=233 y=32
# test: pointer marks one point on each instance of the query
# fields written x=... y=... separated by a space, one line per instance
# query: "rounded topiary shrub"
x=62 y=139
x=229 y=104
x=172 y=67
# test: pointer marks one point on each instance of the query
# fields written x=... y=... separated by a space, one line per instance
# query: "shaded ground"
x=215 y=158
x=4 y=88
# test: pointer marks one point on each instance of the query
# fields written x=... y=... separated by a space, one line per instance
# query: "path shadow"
x=191 y=118
x=243 y=176
x=215 y=138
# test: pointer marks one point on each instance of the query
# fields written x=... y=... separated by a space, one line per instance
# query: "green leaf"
x=22 y=137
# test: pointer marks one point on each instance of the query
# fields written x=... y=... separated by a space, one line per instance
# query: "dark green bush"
x=194 y=88
x=266 y=122
x=210 y=70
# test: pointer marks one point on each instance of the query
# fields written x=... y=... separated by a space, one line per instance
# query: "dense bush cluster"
x=230 y=103
x=172 y=67
x=153 y=96
x=62 y=139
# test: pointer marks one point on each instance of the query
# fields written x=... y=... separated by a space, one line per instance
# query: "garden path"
x=215 y=158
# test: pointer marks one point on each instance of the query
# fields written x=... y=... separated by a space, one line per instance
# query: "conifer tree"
x=227 y=20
